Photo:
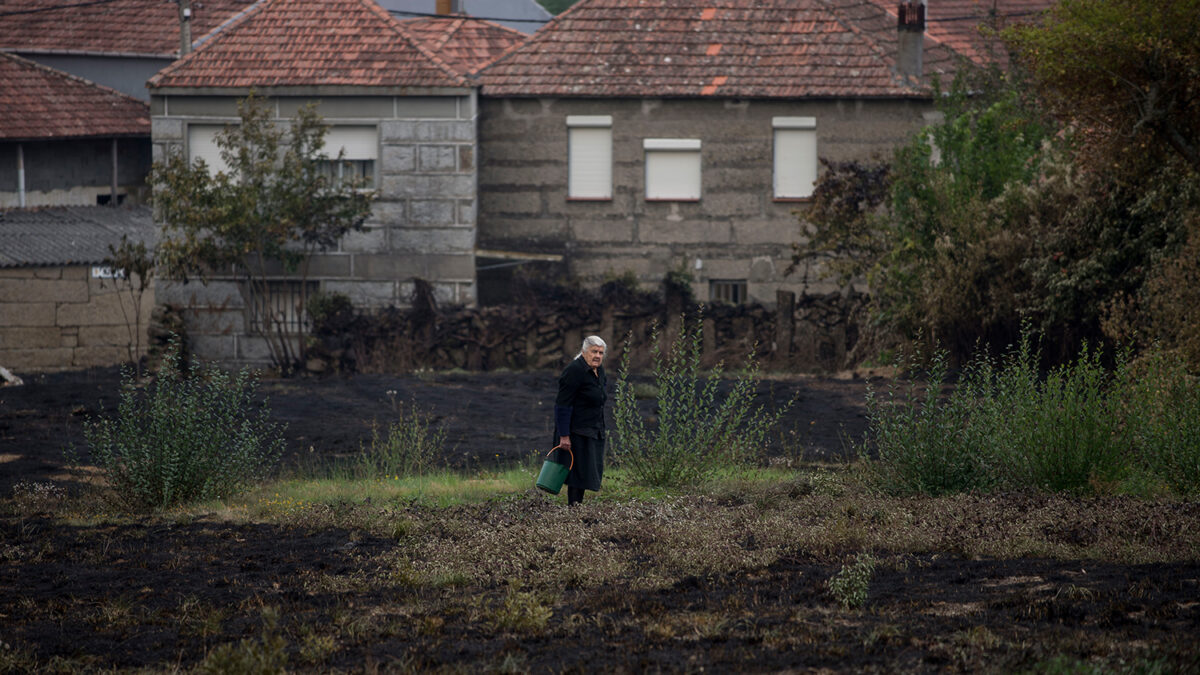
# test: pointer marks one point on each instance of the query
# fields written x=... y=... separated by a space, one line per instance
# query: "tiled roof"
x=37 y=102
x=725 y=48
x=465 y=44
x=280 y=43
x=968 y=26
x=70 y=235
x=142 y=27
x=524 y=15
x=738 y=48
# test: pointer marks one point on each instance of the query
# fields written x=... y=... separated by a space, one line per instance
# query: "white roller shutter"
x=672 y=169
x=795 y=156
x=359 y=142
x=589 y=156
x=202 y=144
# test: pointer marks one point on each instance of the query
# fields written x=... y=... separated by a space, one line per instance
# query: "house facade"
x=645 y=136
x=405 y=118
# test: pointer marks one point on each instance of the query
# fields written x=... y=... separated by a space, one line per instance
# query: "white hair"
x=591 y=341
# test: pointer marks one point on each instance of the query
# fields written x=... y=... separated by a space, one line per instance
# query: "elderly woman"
x=579 y=417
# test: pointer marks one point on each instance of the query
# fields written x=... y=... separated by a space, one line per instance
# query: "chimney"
x=185 y=27
x=447 y=7
x=911 y=29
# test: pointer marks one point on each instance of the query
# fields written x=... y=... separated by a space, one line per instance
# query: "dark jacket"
x=579 y=408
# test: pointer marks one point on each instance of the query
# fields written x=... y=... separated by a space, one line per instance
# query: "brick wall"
x=58 y=318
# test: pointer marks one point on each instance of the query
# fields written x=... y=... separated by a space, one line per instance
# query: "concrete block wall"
x=422 y=223
x=737 y=230
x=59 y=318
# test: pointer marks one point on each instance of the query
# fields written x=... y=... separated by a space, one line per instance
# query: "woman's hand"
x=564 y=442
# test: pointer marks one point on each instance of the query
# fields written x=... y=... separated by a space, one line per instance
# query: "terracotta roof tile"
x=37 y=102
x=768 y=48
x=968 y=26
x=143 y=27
x=279 y=43
x=763 y=49
x=465 y=44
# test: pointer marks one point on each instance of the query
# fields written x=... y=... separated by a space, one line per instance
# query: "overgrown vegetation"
x=1081 y=429
x=409 y=446
x=1063 y=192
x=189 y=435
x=698 y=429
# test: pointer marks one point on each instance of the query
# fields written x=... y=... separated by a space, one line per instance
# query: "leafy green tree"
x=275 y=206
x=1127 y=70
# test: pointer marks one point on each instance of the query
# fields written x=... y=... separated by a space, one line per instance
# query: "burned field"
x=732 y=577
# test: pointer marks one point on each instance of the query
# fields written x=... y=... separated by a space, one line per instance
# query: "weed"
x=187 y=437
x=265 y=656
x=699 y=431
x=521 y=612
x=849 y=585
x=407 y=449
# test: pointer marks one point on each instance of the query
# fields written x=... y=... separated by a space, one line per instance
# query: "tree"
x=926 y=229
x=275 y=206
x=135 y=263
x=1126 y=69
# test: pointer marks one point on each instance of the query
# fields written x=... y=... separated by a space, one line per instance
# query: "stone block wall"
x=59 y=318
x=736 y=230
x=422 y=223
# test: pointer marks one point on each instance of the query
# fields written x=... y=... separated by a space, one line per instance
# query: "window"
x=360 y=146
x=589 y=157
x=280 y=308
x=672 y=169
x=732 y=291
x=202 y=144
x=795 y=156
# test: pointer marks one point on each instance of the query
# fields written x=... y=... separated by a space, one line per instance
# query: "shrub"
x=1006 y=426
x=1163 y=415
x=922 y=441
x=408 y=449
x=699 y=429
x=186 y=437
x=849 y=585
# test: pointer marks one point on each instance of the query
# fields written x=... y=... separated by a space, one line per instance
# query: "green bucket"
x=554 y=474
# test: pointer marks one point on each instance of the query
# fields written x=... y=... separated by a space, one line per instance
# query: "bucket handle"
x=559 y=447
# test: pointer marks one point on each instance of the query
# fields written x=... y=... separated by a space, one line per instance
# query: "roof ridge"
x=554 y=21
x=69 y=76
x=396 y=24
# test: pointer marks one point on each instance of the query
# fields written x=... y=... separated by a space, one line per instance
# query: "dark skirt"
x=589 y=462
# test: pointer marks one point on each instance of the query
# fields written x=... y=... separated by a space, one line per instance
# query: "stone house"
x=59 y=307
x=399 y=102
x=646 y=136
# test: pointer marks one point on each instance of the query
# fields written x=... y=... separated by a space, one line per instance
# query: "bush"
x=922 y=440
x=408 y=449
x=1165 y=424
x=849 y=586
x=186 y=437
x=699 y=430
x=1005 y=426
